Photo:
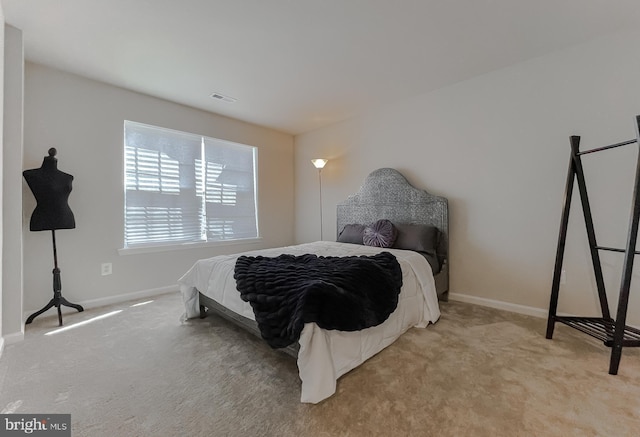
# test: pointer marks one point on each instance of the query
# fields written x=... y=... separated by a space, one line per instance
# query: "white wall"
x=1 y=171
x=497 y=146
x=83 y=119
x=12 y=323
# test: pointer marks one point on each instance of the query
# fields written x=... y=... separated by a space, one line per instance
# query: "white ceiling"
x=298 y=65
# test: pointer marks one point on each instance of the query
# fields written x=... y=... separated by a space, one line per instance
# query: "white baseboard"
x=16 y=337
x=119 y=298
x=95 y=303
x=513 y=307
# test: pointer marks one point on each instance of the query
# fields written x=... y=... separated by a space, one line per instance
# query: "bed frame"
x=385 y=193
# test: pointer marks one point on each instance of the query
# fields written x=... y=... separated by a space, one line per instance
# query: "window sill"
x=184 y=246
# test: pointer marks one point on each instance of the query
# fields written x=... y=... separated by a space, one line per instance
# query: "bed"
x=325 y=355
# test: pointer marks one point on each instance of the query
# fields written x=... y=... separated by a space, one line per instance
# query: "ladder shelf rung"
x=615 y=249
x=612 y=146
x=602 y=329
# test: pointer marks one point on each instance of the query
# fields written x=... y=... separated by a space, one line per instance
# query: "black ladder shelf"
x=614 y=333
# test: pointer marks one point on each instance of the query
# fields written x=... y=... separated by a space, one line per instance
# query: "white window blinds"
x=182 y=187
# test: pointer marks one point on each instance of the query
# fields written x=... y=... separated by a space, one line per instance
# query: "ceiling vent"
x=223 y=98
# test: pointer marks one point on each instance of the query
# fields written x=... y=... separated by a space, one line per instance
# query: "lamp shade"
x=319 y=162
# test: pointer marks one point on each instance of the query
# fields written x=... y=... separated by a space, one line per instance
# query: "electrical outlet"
x=106 y=269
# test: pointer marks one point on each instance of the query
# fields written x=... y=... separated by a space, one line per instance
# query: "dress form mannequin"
x=51 y=188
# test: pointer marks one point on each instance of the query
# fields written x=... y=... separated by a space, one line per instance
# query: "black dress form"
x=51 y=188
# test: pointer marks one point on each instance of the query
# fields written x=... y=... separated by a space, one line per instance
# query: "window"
x=184 y=188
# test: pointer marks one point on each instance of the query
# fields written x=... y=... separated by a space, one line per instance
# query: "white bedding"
x=324 y=355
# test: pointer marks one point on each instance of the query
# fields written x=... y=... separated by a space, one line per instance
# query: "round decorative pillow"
x=380 y=234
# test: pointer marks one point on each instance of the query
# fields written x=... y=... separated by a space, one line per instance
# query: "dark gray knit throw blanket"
x=344 y=293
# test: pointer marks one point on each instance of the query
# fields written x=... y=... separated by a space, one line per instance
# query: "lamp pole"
x=319 y=163
x=320 y=188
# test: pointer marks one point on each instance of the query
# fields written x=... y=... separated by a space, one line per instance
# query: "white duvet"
x=324 y=355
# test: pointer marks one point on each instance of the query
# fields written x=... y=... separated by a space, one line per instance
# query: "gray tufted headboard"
x=386 y=194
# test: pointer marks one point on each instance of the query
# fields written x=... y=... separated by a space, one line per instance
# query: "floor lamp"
x=319 y=164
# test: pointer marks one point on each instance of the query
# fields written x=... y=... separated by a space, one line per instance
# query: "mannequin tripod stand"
x=57 y=300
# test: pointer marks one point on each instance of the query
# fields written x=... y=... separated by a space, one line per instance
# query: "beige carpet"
x=477 y=372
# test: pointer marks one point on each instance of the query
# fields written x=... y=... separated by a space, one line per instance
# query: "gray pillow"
x=352 y=233
x=421 y=238
x=380 y=234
